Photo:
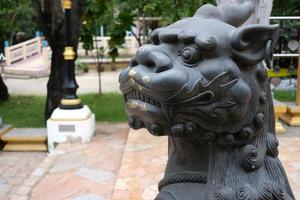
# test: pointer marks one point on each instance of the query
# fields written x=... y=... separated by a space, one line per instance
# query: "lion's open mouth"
x=136 y=95
x=145 y=110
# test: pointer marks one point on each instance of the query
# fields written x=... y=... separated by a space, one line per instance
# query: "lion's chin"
x=145 y=111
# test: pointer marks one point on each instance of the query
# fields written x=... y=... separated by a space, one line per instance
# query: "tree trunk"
x=50 y=18
x=262 y=10
x=3 y=90
x=54 y=85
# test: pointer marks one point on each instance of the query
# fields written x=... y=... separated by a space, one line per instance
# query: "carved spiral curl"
x=264 y=191
x=221 y=193
x=278 y=192
x=244 y=193
x=250 y=159
x=272 y=145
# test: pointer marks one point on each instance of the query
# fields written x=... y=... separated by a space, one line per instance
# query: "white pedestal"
x=70 y=125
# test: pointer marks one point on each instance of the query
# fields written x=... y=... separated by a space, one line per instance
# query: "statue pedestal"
x=70 y=125
x=280 y=109
x=292 y=116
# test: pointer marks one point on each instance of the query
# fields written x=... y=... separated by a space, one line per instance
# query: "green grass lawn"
x=285 y=96
x=28 y=111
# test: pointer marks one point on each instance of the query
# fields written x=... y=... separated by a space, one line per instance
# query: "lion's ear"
x=253 y=43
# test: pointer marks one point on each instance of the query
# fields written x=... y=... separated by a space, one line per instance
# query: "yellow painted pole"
x=67 y=4
x=298 y=79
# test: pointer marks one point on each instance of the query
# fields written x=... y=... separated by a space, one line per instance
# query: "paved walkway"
x=92 y=171
x=145 y=157
x=88 y=83
x=15 y=168
x=82 y=171
x=73 y=171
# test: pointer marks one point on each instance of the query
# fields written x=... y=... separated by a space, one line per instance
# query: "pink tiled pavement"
x=15 y=167
x=142 y=167
x=289 y=154
x=92 y=171
x=79 y=171
x=145 y=157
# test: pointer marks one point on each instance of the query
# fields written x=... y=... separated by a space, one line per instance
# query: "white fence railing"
x=23 y=51
x=129 y=48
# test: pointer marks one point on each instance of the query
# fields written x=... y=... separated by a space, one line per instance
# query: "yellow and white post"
x=72 y=120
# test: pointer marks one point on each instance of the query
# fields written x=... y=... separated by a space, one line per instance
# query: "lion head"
x=202 y=74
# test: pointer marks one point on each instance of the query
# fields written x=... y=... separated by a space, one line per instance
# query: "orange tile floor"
x=111 y=167
x=145 y=157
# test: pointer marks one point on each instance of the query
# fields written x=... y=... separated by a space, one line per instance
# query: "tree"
x=178 y=9
x=15 y=16
x=286 y=8
x=3 y=90
x=50 y=18
x=131 y=10
x=96 y=13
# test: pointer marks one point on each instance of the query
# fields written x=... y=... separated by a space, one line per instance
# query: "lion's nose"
x=148 y=56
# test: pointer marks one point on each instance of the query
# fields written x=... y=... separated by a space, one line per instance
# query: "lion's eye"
x=190 y=55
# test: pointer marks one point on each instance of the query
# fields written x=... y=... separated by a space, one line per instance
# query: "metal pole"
x=285 y=18
x=70 y=86
x=287 y=55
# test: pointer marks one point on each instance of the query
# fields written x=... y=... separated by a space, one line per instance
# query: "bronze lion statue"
x=202 y=81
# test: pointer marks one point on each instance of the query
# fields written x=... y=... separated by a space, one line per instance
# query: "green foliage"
x=81 y=65
x=178 y=9
x=131 y=10
x=95 y=14
x=16 y=16
x=286 y=8
x=118 y=16
x=28 y=110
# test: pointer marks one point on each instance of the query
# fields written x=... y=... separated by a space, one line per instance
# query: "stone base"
x=280 y=109
x=70 y=125
x=292 y=116
x=21 y=139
